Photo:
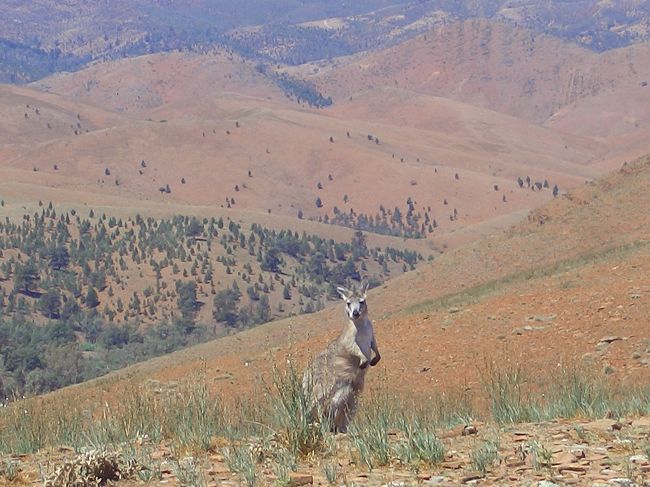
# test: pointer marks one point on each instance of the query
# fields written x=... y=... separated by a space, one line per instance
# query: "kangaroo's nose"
x=355 y=314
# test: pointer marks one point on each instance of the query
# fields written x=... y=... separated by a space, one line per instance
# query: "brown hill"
x=289 y=151
x=508 y=69
x=142 y=84
x=29 y=117
x=209 y=120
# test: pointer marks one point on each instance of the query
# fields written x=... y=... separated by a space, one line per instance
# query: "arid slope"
x=568 y=285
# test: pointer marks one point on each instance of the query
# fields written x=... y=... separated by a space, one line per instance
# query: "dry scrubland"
x=455 y=153
x=569 y=305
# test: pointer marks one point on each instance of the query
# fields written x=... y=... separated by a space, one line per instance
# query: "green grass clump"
x=541 y=456
x=509 y=399
x=331 y=472
x=516 y=395
x=188 y=473
x=369 y=431
x=485 y=455
x=291 y=415
x=386 y=431
x=194 y=418
x=241 y=460
x=420 y=445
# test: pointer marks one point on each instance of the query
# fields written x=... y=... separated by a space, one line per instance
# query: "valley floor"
x=600 y=452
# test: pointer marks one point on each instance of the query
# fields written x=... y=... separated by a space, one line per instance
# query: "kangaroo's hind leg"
x=340 y=407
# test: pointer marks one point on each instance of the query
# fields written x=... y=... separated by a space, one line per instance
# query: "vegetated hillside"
x=339 y=166
x=553 y=289
x=502 y=67
x=20 y=63
x=82 y=294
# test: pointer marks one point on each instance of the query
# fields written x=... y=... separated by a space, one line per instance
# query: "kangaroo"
x=335 y=378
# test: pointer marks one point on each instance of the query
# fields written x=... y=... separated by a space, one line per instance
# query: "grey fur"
x=336 y=376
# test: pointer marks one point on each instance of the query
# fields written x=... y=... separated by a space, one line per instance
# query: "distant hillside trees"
x=301 y=90
x=68 y=284
x=26 y=276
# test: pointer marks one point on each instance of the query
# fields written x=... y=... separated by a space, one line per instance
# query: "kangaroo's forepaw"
x=363 y=365
x=375 y=360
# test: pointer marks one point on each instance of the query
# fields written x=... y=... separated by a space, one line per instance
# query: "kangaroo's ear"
x=344 y=293
x=366 y=284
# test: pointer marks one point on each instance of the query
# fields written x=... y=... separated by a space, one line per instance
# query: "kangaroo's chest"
x=364 y=337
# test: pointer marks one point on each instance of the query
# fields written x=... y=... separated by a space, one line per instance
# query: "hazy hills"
x=44 y=37
x=185 y=114
x=507 y=69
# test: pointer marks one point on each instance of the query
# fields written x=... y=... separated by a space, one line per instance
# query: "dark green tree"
x=91 y=300
x=263 y=310
x=60 y=258
x=25 y=277
x=225 y=306
x=271 y=261
x=188 y=304
x=50 y=303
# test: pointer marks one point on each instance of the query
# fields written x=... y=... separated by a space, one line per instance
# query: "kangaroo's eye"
x=361 y=301
x=348 y=303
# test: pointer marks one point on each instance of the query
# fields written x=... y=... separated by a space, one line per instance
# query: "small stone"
x=578 y=452
x=610 y=339
x=297 y=479
x=572 y=467
x=470 y=478
x=546 y=483
x=620 y=481
x=438 y=479
x=470 y=430
x=588 y=357
x=542 y=318
x=638 y=459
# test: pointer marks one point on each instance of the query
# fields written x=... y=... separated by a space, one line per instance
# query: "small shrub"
x=188 y=473
x=240 y=460
x=10 y=471
x=369 y=436
x=331 y=473
x=485 y=455
x=292 y=414
x=540 y=455
x=420 y=444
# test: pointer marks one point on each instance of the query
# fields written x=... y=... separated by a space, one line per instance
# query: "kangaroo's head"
x=355 y=302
